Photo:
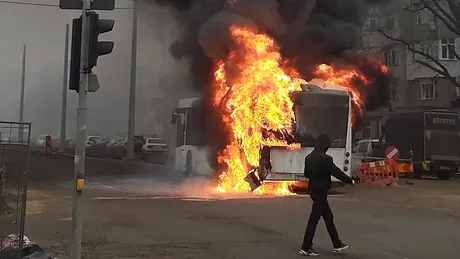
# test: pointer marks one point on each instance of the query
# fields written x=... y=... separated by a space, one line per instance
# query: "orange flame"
x=255 y=100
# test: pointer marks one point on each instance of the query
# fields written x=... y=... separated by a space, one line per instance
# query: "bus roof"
x=311 y=88
x=188 y=103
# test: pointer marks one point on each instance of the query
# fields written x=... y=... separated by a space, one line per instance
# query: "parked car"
x=362 y=149
x=155 y=150
x=138 y=142
x=41 y=141
x=112 y=147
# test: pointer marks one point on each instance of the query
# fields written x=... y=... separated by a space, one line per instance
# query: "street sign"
x=95 y=5
x=392 y=152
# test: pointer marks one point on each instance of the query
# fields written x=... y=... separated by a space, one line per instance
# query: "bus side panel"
x=200 y=158
x=292 y=162
x=179 y=158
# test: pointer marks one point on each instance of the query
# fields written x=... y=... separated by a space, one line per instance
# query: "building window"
x=391 y=23
x=373 y=24
x=447 y=49
x=428 y=48
x=425 y=49
x=391 y=58
x=457 y=89
x=427 y=89
x=422 y=17
x=386 y=58
x=394 y=57
x=394 y=89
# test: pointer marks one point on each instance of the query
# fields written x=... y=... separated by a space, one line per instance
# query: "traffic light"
x=98 y=48
x=75 y=55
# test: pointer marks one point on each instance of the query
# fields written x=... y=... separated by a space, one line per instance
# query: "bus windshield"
x=321 y=114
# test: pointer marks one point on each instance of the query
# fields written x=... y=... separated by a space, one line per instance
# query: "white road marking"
x=104 y=185
x=131 y=198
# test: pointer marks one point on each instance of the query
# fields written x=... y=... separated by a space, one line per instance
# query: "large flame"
x=252 y=89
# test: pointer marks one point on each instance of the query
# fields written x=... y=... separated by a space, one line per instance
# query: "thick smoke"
x=309 y=32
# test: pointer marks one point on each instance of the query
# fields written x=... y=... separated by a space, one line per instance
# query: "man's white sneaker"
x=341 y=248
x=309 y=252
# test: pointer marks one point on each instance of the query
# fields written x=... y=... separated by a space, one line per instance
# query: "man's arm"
x=337 y=172
x=306 y=170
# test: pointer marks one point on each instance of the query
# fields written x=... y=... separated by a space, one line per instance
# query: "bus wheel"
x=418 y=172
x=446 y=175
x=188 y=165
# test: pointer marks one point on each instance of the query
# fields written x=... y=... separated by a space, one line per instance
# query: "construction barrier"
x=384 y=172
x=405 y=166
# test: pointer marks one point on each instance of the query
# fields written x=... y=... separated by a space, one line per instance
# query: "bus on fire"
x=317 y=110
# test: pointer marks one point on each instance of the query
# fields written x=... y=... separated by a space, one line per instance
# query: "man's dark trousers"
x=320 y=208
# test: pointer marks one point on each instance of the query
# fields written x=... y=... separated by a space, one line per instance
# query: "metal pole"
x=64 y=91
x=132 y=88
x=80 y=152
x=23 y=83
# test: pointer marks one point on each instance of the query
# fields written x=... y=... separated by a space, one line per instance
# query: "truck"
x=430 y=139
x=317 y=110
x=363 y=151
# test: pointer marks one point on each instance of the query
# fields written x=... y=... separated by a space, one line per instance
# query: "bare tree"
x=446 y=12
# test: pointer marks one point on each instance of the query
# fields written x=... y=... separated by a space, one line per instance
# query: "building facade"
x=413 y=86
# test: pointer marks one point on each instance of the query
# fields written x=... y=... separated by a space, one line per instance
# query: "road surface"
x=158 y=217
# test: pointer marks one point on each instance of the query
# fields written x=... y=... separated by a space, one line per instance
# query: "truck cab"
x=431 y=139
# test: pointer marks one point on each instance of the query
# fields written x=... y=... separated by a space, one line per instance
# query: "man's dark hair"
x=323 y=142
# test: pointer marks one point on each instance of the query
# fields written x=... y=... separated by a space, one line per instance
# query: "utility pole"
x=86 y=48
x=64 y=91
x=23 y=84
x=132 y=88
x=80 y=149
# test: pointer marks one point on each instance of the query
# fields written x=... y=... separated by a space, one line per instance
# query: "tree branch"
x=454 y=8
x=444 y=12
x=440 y=16
x=414 y=7
x=441 y=69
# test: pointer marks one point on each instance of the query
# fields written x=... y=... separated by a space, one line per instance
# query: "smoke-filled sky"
x=42 y=29
x=309 y=32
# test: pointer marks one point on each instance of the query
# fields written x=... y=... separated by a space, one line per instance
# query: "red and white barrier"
x=384 y=172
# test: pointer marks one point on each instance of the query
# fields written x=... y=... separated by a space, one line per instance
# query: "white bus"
x=317 y=111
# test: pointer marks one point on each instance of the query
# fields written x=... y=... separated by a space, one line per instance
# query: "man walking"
x=319 y=167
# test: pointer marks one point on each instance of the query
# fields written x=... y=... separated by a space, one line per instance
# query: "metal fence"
x=14 y=136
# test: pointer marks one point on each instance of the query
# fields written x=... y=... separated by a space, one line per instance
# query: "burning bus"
x=317 y=110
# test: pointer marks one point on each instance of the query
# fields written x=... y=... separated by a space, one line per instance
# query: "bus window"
x=195 y=127
x=180 y=128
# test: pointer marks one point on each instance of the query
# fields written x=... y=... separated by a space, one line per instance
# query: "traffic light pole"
x=80 y=149
x=132 y=87
x=64 y=91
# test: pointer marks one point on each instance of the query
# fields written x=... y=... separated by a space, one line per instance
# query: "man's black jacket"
x=319 y=167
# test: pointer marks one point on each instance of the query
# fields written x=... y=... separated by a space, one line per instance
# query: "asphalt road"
x=157 y=216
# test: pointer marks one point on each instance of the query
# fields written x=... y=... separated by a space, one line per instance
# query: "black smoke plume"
x=309 y=32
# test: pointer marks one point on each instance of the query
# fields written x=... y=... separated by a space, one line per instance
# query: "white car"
x=362 y=150
x=154 y=145
x=92 y=140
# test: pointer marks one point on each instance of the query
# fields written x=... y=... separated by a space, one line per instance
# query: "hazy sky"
x=42 y=29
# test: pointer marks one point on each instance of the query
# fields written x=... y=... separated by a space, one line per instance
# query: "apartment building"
x=413 y=86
